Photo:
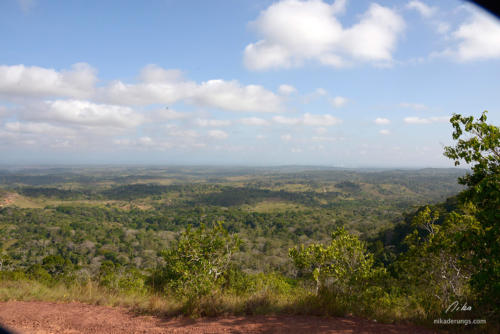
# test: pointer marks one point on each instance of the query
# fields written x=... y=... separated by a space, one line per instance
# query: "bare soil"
x=7 y=199
x=46 y=317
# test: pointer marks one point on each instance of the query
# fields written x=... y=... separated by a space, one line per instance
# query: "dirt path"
x=45 y=317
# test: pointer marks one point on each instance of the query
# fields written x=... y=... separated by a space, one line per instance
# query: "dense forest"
x=386 y=244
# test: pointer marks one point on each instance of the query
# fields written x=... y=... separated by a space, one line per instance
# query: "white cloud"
x=429 y=120
x=478 y=38
x=320 y=120
x=287 y=89
x=176 y=131
x=230 y=95
x=297 y=31
x=217 y=134
x=42 y=135
x=34 y=81
x=382 y=121
x=374 y=37
x=338 y=101
x=254 y=121
x=144 y=93
x=153 y=73
x=146 y=141
x=286 y=137
x=308 y=119
x=168 y=114
x=38 y=128
x=385 y=132
x=415 y=106
x=212 y=122
x=442 y=27
x=85 y=113
x=286 y=120
x=321 y=130
x=324 y=138
x=422 y=8
x=167 y=86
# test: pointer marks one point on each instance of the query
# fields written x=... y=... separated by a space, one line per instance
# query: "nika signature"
x=456 y=307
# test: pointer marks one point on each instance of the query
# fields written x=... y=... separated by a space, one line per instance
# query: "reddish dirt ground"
x=7 y=199
x=45 y=317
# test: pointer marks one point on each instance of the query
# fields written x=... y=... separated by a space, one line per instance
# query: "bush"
x=196 y=265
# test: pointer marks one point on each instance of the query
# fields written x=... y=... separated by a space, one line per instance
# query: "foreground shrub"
x=196 y=264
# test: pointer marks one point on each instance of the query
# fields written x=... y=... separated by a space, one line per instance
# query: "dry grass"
x=263 y=302
x=89 y=293
x=147 y=303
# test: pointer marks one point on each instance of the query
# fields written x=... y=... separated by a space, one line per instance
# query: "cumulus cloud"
x=232 y=96
x=38 y=128
x=144 y=93
x=145 y=143
x=153 y=73
x=286 y=89
x=429 y=120
x=422 y=8
x=34 y=81
x=217 y=134
x=442 y=27
x=254 y=121
x=168 y=86
x=295 y=31
x=286 y=137
x=176 y=131
x=385 y=132
x=478 y=38
x=212 y=122
x=338 y=101
x=156 y=86
x=321 y=130
x=84 y=113
x=47 y=135
x=320 y=120
x=324 y=138
x=382 y=121
x=308 y=119
x=287 y=120
x=168 y=114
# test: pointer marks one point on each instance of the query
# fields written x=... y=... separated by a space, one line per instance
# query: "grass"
x=261 y=302
x=20 y=201
x=89 y=293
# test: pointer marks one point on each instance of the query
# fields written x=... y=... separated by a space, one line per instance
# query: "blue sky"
x=344 y=83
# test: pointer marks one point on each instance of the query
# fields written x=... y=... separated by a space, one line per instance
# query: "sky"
x=248 y=82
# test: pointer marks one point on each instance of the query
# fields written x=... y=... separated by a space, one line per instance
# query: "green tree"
x=436 y=269
x=56 y=265
x=478 y=144
x=342 y=266
x=197 y=262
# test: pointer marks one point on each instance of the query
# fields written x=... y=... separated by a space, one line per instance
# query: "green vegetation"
x=389 y=245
